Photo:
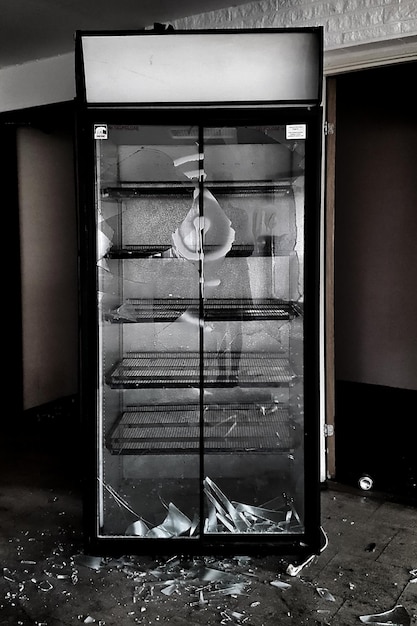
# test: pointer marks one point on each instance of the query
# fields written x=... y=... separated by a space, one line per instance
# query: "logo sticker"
x=100 y=131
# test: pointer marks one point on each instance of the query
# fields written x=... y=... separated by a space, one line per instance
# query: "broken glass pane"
x=224 y=514
x=325 y=594
x=398 y=616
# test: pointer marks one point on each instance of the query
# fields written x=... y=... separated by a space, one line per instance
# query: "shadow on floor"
x=368 y=566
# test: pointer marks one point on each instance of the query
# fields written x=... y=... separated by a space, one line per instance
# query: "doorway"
x=375 y=299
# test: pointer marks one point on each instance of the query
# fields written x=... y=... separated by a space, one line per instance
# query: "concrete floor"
x=46 y=579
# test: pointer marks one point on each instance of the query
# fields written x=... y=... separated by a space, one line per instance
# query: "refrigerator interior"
x=200 y=291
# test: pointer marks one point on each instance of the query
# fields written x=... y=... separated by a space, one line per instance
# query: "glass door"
x=253 y=331
x=148 y=292
x=199 y=277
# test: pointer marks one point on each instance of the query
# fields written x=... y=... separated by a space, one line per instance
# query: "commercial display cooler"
x=199 y=168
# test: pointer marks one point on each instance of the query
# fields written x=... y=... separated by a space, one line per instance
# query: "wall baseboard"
x=374 y=437
x=53 y=426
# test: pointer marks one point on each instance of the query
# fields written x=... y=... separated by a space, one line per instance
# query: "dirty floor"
x=368 y=567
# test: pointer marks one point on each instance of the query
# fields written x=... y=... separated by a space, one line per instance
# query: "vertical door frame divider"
x=329 y=226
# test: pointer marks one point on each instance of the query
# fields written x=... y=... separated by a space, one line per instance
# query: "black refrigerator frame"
x=201 y=115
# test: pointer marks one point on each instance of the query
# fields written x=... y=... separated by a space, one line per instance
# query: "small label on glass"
x=100 y=131
x=295 y=131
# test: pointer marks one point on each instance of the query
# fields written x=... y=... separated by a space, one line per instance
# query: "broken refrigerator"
x=199 y=174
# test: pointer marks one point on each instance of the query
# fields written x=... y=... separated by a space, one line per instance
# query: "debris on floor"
x=398 y=616
x=231 y=590
x=46 y=579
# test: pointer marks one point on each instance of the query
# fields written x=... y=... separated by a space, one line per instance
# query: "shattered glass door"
x=252 y=300
x=200 y=293
x=149 y=391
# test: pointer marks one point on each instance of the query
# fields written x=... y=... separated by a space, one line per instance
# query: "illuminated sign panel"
x=195 y=68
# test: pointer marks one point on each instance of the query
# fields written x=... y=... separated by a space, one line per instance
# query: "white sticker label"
x=100 y=131
x=296 y=131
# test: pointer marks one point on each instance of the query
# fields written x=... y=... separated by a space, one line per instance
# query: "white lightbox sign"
x=193 y=68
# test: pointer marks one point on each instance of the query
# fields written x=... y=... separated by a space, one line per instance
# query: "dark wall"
x=376 y=279
x=48 y=259
x=12 y=296
x=38 y=176
x=376 y=227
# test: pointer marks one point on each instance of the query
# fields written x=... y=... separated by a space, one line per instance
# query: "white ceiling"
x=36 y=29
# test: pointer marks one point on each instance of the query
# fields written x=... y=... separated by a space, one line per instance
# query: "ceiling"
x=36 y=29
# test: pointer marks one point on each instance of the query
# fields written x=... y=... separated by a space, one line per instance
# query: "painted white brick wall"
x=345 y=22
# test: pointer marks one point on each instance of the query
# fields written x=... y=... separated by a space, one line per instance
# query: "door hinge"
x=329 y=128
x=328 y=430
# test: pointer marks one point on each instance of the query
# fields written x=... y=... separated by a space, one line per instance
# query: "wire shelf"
x=179 y=369
x=143 y=251
x=172 y=429
x=233 y=309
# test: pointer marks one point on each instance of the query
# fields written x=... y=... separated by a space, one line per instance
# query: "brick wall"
x=346 y=22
